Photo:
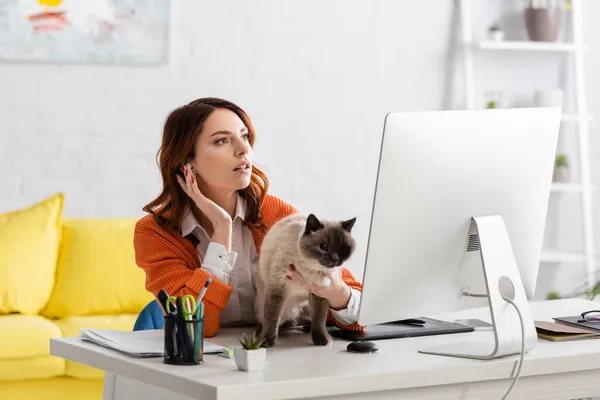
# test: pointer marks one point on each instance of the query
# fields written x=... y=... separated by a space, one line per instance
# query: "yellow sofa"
x=56 y=276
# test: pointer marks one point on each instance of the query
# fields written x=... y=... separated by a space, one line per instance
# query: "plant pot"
x=250 y=360
x=561 y=174
x=543 y=24
x=494 y=99
x=496 y=35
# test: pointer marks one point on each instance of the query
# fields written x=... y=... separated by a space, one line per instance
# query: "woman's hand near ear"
x=219 y=218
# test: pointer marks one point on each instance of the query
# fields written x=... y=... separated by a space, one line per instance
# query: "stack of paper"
x=560 y=332
x=148 y=343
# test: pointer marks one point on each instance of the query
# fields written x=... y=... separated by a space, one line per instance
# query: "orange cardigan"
x=171 y=262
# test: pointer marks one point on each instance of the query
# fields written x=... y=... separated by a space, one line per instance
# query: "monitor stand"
x=502 y=278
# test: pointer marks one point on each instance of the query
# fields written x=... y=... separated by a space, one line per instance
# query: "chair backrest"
x=151 y=317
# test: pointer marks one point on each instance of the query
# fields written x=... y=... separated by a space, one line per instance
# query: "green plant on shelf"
x=251 y=342
x=562 y=160
x=582 y=292
x=491 y=104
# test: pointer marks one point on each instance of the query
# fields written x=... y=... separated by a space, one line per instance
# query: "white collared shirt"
x=239 y=267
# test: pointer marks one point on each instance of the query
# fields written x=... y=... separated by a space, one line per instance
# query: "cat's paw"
x=259 y=329
x=321 y=338
x=269 y=341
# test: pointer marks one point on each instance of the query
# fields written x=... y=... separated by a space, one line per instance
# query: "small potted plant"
x=589 y=293
x=251 y=355
x=493 y=99
x=553 y=295
x=495 y=32
x=561 y=168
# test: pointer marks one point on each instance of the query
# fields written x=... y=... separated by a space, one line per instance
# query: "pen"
x=169 y=341
x=183 y=332
x=175 y=345
x=203 y=291
x=197 y=339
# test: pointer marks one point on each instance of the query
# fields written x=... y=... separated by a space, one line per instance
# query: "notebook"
x=146 y=343
x=560 y=332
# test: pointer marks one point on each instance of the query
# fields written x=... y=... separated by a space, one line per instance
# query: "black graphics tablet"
x=578 y=322
x=401 y=329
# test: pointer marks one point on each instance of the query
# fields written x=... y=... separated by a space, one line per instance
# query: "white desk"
x=297 y=369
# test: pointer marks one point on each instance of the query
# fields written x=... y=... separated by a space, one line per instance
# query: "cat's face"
x=328 y=242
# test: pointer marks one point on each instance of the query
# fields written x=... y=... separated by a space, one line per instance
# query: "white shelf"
x=527 y=46
x=553 y=256
x=569 y=187
x=579 y=117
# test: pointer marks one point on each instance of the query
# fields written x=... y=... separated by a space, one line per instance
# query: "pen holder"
x=184 y=341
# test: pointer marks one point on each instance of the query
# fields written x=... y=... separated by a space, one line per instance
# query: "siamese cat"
x=314 y=247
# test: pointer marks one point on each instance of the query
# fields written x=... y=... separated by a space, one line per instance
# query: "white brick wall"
x=316 y=77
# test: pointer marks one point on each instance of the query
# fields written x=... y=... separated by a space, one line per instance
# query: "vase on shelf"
x=543 y=24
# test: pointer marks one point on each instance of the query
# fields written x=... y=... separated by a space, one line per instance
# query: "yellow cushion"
x=23 y=336
x=31 y=368
x=71 y=326
x=96 y=271
x=52 y=389
x=29 y=243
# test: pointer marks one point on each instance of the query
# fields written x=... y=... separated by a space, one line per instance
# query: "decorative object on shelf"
x=544 y=18
x=495 y=32
x=251 y=356
x=553 y=295
x=582 y=290
x=561 y=168
x=493 y=99
x=574 y=50
x=548 y=98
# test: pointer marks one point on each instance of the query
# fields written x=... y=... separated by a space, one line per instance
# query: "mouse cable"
x=518 y=374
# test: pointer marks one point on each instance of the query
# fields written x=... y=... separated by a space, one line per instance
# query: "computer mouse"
x=362 y=346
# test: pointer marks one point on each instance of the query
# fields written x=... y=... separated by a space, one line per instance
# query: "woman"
x=211 y=218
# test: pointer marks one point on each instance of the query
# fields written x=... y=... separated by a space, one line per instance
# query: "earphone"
x=189 y=166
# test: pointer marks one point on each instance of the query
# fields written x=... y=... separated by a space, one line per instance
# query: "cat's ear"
x=312 y=224
x=347 y=225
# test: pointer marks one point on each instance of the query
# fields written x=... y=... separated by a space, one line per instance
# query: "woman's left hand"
x=337 y=293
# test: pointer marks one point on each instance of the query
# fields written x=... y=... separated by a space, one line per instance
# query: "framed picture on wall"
x=85 y=31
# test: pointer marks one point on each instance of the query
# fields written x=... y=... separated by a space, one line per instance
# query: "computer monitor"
x=459 y=207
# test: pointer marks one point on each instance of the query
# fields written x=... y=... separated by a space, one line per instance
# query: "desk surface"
x=298 y=369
